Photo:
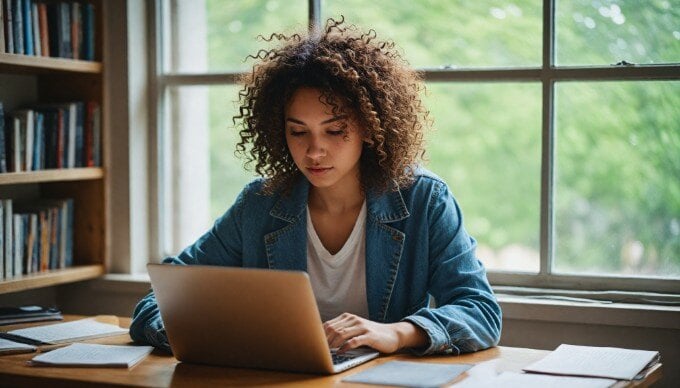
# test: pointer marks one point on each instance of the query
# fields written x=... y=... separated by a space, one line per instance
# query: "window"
x=556 y=124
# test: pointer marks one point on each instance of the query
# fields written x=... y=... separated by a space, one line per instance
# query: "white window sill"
x=515 y=307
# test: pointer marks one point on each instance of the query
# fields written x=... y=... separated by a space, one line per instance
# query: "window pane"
x=604 y=32
x=434 y=33
x=618 y=178
x=487 y=146
x=217 y=35
x=205 y=176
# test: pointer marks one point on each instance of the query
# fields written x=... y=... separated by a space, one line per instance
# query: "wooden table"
x=162 y=370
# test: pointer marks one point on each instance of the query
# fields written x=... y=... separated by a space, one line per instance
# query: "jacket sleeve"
x=468 y=317
x=221 y=245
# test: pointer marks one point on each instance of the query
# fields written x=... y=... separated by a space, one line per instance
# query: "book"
x=35 y=24
x=18 y=27
x=21 y=314
x=3 y=155
x=88 y=32
x=592 y=361
x=66 y=332
x=8 y=241
x=44 y=32
x=94 y=355
x=19 y=246
x=2 y=243
x=2 y=27
x=11 y=347
x=9 y=27
x=26 y=14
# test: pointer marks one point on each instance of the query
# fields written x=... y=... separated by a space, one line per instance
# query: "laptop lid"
x=242 y=317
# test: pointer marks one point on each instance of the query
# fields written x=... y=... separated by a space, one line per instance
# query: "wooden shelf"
x=51 y=278
x=66 y=174
x=28 y=64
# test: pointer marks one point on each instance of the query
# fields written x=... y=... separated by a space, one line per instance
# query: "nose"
x=316 y=149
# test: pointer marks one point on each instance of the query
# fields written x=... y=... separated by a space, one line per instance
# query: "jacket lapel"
x=384 y=246
x=287 y=247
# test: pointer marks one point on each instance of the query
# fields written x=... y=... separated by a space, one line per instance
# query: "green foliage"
x=617 y=171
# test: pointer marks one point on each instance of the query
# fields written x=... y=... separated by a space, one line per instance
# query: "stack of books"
x=13 y=315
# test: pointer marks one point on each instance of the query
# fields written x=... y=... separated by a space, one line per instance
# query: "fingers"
x=342 y=328
x=355 y=342
x=344 y=334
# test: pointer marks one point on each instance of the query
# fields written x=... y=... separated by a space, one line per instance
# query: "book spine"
x=80 y=136
x=3 y=154
x=65 y=27
x=35 y=23
x=16 y=149
x=9 y=26
x=44 y=31
x=8 y=239
x=53 y=246
x=75 y=30
x=96 y=136
x=18 y=244
x=18 y=26
x=71 y=139
x=3 y=259
x=88 y=32
x=26 y=12
x=2 y=26
x=69 y=232
x=54 y=29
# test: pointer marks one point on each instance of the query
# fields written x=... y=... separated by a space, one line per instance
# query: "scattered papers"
x=68 y=331
x=591 y=361
x=409 y=374
x=11 y=347
x=528 y=380
x=94 y=355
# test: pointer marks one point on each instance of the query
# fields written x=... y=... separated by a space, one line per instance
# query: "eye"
x=295 y=133
x=336 y=132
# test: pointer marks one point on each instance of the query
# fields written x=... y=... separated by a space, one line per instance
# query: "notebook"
x=94 y=355
x=60 y=333
x=239 y=317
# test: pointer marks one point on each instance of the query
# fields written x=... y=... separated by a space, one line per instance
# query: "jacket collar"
x=384 y=208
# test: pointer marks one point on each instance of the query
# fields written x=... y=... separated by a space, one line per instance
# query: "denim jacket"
x=416 y=246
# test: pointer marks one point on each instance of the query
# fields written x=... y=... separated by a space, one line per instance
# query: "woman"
x=334 y=124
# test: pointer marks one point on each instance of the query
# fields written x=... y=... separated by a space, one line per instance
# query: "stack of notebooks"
x=22 y=314
x=76 y=354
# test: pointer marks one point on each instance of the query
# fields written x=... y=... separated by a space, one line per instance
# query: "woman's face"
x=325 y=147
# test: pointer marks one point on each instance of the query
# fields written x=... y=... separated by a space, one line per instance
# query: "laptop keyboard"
x=340 y=358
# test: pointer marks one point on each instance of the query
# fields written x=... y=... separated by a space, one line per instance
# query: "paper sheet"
x=11 y=347
x=69 y=331
x=94 y=355
x=614 y=363
x=409 y=374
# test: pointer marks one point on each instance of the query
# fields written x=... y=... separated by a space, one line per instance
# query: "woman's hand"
x=349 y=331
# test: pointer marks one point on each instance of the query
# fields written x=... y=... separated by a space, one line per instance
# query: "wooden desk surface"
x=162 y=370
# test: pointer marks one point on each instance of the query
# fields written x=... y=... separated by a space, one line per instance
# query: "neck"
x=336 y=200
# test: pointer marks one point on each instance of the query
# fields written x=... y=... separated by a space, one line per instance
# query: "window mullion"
x=548 y=140
x=314 y=14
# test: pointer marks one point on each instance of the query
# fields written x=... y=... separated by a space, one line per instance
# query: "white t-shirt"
x=339 y=280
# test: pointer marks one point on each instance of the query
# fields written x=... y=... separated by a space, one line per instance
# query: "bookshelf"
x=56 y=80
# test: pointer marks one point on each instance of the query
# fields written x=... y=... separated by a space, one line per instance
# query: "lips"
x=318 y=170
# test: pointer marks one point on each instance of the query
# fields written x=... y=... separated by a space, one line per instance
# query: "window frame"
x=548 y=74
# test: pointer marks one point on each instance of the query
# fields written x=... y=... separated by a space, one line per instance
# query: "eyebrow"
x=332 y=119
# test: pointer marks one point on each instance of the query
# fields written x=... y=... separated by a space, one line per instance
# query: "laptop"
x=249 y=318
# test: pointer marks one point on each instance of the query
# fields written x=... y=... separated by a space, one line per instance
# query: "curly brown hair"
x=354 y=72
